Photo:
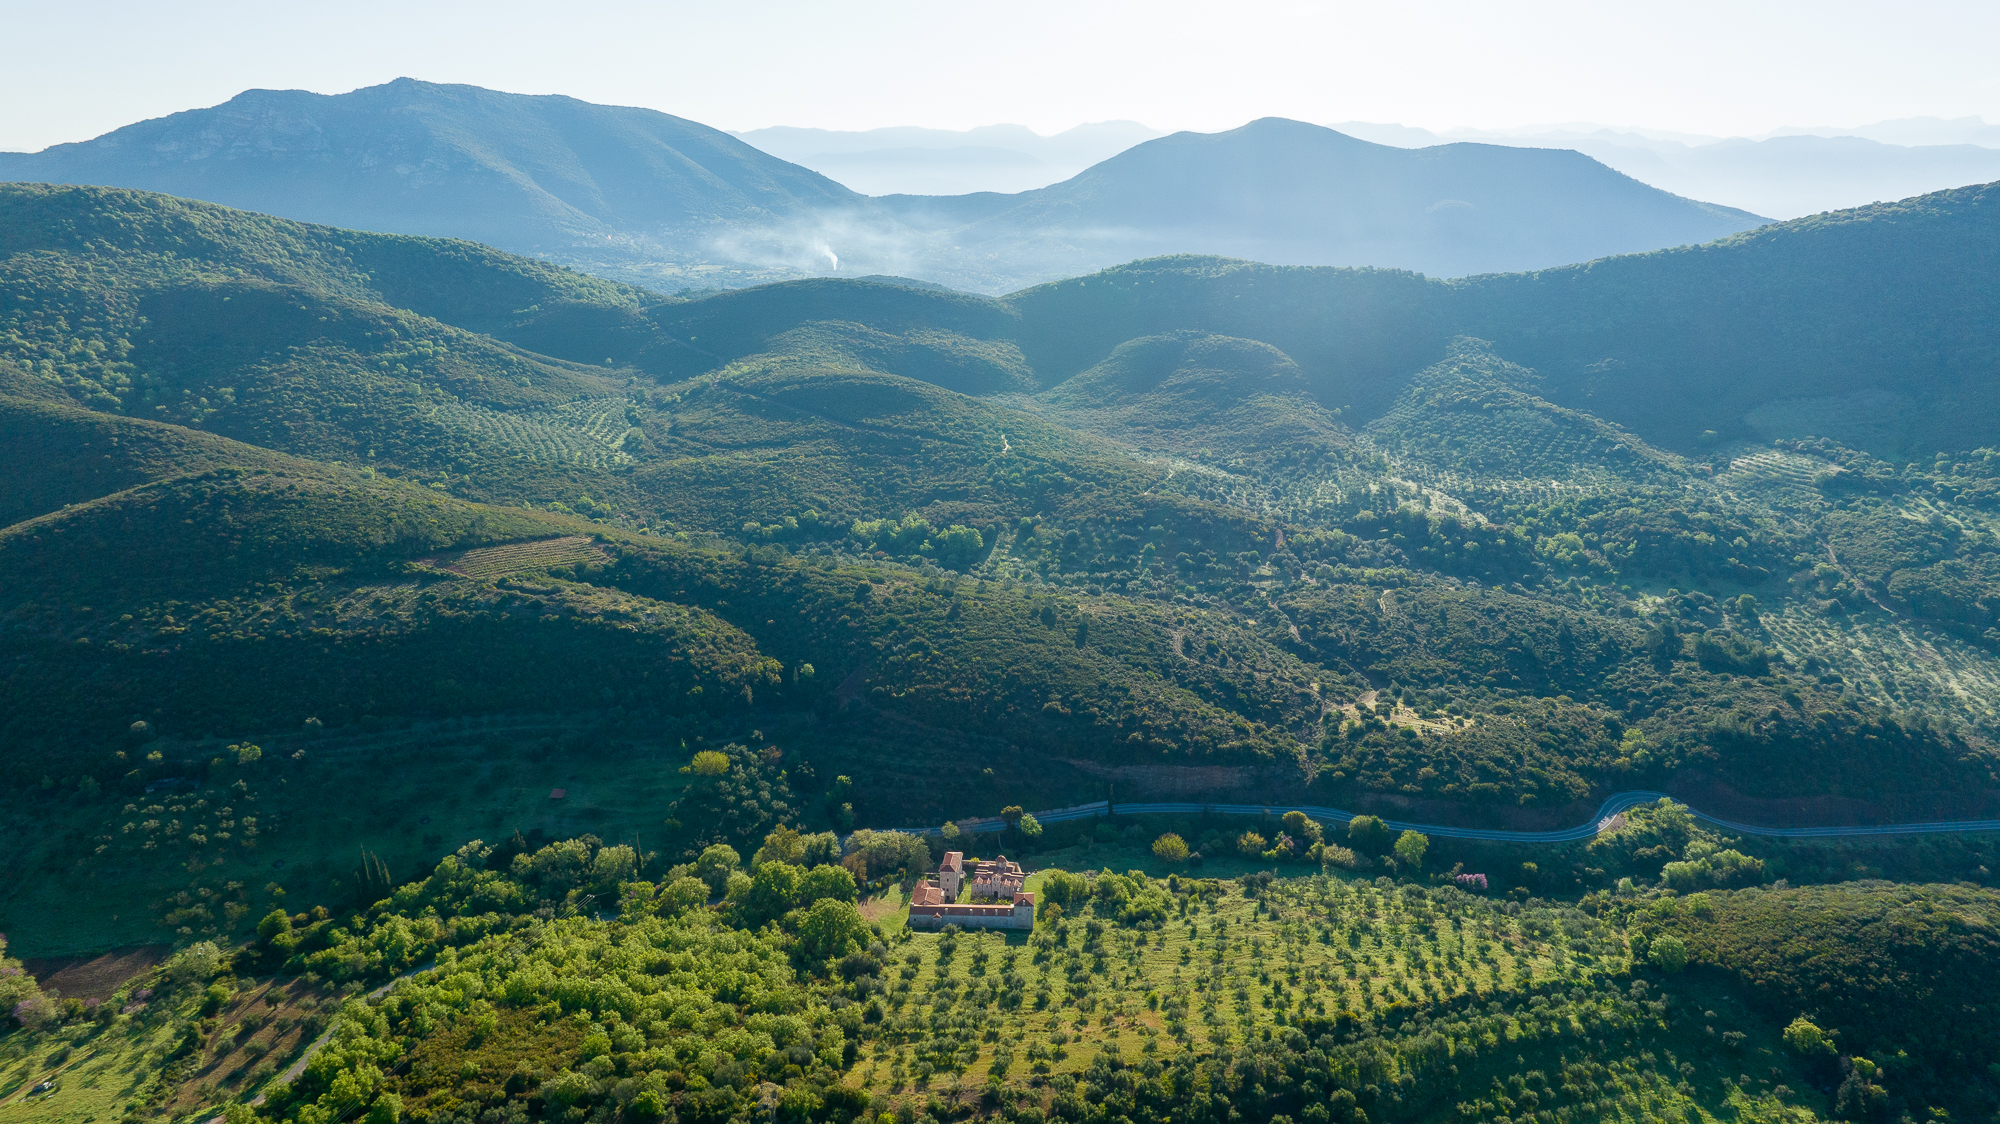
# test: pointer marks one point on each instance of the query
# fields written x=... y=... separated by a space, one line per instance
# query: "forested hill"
x=528 y=173
x=1879 y=317
x=1291 y=193
x=397 y=506
x=1874 y=321
x=648 y=197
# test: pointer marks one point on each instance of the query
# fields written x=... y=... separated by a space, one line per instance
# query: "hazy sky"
x=76 y=69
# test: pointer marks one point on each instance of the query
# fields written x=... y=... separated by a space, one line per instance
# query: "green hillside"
x=55 y=455
x=328 y=555
x=530 y=174
x=1295 y=193
x=1874 y=316
x=646 y=196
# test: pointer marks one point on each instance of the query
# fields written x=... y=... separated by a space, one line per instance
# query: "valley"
x=565 y=655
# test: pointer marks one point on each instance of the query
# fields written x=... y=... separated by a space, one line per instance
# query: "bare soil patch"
x=94 y=977
x=508 y=558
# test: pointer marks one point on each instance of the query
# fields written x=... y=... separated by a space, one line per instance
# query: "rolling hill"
x=379 y=606
x=1786 y=176
x=550 y=175
x=1192 y=524
x=672 y=204
x=1296 y=194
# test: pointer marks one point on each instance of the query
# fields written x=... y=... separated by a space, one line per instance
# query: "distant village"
x=996 y=899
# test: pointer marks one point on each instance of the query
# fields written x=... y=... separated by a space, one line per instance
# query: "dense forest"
x=329 y=555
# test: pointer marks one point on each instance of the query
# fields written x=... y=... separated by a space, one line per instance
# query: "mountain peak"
x=543 y=173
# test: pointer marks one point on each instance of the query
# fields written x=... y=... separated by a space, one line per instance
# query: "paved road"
x=1621 y=802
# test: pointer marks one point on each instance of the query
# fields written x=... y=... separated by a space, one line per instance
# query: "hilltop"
x=1291 y=193
x=502 y=693
x=1343 y=537
x=546 y=175
x=669 y=203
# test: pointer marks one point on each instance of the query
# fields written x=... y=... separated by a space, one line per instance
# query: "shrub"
x=715 y=866
x=1883 y=967
x=1732 y=654
x=1668 y=953
x=1251 y=845
x=1171 y=847
x=709 y=763
x=1301 y=827
x=1332 y=854
x=216 y=998
x=1410 y=848
x=1806 y=1039
x=1368 y=834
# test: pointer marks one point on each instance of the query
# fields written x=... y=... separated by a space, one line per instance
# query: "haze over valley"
x=659 y=200
x=1784 y=174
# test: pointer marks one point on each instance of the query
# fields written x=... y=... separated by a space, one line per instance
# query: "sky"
x=78 y=69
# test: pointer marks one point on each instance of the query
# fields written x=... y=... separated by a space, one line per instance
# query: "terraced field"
x=1789 y=475
x=1892 y=663
x=589 y=431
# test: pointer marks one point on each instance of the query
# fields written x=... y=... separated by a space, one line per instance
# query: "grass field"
x=99 y=1074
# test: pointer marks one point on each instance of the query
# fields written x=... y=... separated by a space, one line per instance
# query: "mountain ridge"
x=563 y=169
x=675 y=205
x=1291 y=193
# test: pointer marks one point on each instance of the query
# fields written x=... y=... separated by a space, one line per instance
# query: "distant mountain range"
x=1910 y=156
x=1790 y=173
x=673 y=204
x=1290 y=193
x=551 y=176
x=914 y=161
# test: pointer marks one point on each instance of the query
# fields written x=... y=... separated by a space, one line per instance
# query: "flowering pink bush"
x=1471 y=881
x=33 y=1012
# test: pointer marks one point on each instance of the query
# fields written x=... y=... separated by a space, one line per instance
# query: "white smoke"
x=804 y=244
x=877 y=244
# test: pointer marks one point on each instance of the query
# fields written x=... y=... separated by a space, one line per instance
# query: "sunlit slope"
x=262 y=596
x=1880 y=317
x=524 y=172
x=1294 y=193
x=1213 y=397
